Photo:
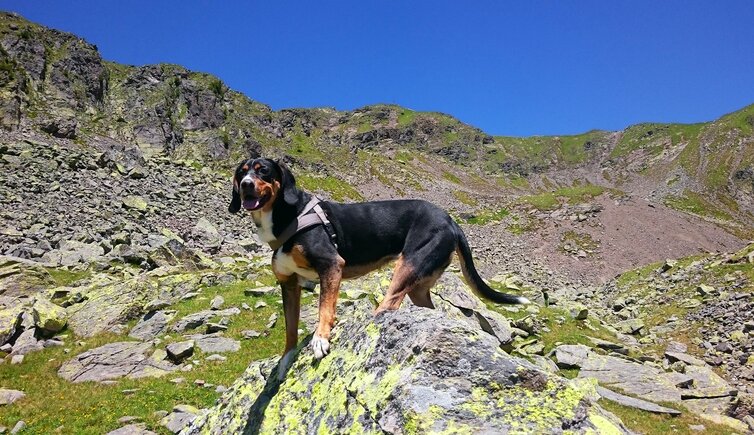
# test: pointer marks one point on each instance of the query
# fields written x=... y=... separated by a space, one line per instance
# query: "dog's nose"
x=246 y=183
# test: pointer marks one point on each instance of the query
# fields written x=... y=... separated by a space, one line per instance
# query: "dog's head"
x=258 y=183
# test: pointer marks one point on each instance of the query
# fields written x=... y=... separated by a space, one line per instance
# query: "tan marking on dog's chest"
x=290 y=263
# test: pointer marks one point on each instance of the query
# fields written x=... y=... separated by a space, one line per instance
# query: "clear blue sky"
x=510 y=68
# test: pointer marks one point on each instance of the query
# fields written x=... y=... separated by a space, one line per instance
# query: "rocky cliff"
x=131 y=302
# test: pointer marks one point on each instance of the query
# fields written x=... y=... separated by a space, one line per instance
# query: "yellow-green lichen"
x=603 y=426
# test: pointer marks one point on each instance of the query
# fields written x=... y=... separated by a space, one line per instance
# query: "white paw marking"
x=285 y=364
x=320 y=346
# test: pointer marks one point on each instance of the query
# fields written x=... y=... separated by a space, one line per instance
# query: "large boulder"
x=116 y=360
x=109 y=303
x=10 y=318
x=411 y=370
x=48 y=317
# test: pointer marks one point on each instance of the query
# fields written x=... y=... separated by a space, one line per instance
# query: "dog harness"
x=305 y=220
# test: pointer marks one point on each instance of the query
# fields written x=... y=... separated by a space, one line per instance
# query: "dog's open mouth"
x=252 y=203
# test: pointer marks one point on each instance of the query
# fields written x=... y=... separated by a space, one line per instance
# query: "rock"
x=732 y=423
x=216 y=303
x=50 y=318
x=178 y=352
x=260 y=291
x=272 y=321
x=181 y=417
x=570 y=356
x=414 y=367
x=132 y=429
x=113 y=361
x=18 y=428
x=260 y=304
x=17 y=359
x=216 y=358
x=213 y=343
x=630 y=326
x=108 y=304
x=151 y=325
x=667 y=265
x=156 y=305
x=216 y=327
x=635 y=403
x=8 y=397
x=135 y=203
x=704 y=289
x=684 y=358
x=198 y=319
x=579 y=312
x=249 y=334
x=206 y=234
x=10 y=320
x=26 y=342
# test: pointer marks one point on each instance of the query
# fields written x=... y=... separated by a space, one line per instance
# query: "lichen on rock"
x=413 y=370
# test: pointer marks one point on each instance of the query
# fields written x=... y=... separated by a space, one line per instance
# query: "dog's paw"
x=285 y=364
x=320 y=346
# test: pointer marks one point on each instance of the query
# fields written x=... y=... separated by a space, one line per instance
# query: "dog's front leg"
x=291 y=310
x=329 y=284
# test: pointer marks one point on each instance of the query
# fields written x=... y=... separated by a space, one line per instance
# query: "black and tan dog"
x=358 y=239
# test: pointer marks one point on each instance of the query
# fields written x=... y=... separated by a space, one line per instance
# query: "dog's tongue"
x=251 y=204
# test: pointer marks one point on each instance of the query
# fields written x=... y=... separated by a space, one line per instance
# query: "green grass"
x=576 y=194
x=64 y=277
x=649 y=423
x=339 y=190
x=694 y=203
x=451 y=177
x=91 y=408
x=485 y=216
x=465 y=197
x=406 y=117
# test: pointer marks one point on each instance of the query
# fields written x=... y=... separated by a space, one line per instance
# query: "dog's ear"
x=287 y=184
x=235 y=197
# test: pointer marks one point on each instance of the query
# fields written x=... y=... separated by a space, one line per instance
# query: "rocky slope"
x=122 y=276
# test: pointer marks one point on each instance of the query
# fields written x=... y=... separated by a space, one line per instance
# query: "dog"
x=346 y=241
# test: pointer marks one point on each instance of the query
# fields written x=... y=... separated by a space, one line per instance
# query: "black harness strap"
x=305 y=220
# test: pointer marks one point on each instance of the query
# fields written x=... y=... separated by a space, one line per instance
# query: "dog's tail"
x=470 y=274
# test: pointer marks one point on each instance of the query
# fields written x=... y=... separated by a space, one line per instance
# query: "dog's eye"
x=263 y=171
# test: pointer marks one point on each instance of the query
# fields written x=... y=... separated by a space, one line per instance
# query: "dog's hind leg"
x=291 y=308
x=404 y=280
x=329 y=284
x=420 y=295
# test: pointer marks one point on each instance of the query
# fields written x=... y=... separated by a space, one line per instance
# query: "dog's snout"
x=246 y=183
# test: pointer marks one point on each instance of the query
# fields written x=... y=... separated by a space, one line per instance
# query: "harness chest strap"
x=303 y=221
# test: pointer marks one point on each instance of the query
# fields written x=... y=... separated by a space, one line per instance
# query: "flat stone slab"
x=684 y=358
x=632 y=402
x=260 y=291
x=114 y=361
x=132 y=429
x=8 y=397
x=214 y=343
x=641 y=380
x=151 y=325
x=200 y=318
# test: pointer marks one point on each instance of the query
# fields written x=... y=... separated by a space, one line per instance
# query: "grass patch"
x=451 y=177
x=575 y=194
x=339 y=190
x=465 y=197
x=91 y=408
x=694 y=203
x=649 y=423
x=406 y=117
x=64 y=277
x=486 y=216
